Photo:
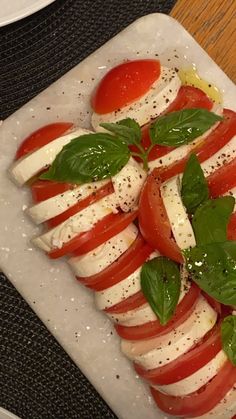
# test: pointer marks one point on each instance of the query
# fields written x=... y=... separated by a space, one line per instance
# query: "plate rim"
x=24 y=12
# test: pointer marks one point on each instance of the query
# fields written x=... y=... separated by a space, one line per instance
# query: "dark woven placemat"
x=37 y=378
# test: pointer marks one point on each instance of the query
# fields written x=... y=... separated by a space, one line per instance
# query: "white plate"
x=64 y=306
x=12 y=10
x=5 y=414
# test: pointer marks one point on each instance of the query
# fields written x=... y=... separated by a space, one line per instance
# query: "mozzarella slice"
x=159 y=351
x=150 y=105
x=82 y=221
x=128 y=184
x=144 y=313
x=225 y=409
x=56 y=205
x=103 y=256
x=30 y=165
x=122 y=290
x=195 y=381
x=225 y=155
x=178 y=217
x=184 y=150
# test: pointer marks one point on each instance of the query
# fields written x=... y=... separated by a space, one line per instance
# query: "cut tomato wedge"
x=186 y=364
x=125 y=265
x=124 y=84
x=42 y=137
x=222 y=180
x=84 y=203
x=134 y=301
x=154 y=328
x=70 y=246
x=221 y=135
x=201 y=401
x=153 y=220
x=116 y=224
x=45 y=189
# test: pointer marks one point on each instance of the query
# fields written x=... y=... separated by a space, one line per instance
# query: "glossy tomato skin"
x=84 y=203
x=221 y=135
x=45 y=189
x=42 y=137
x=152 y=329
x=222 y=180
x=187 y=364
x=201 y=401
x=153 y=220
x=124 y=84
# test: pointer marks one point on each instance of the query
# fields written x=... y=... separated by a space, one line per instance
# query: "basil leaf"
x=160 y=283
x=194 y=188
x=89 y=158
x=213 y=268
x=181 y=127
x=228 y=337
x=211 y=219
x=126 y=129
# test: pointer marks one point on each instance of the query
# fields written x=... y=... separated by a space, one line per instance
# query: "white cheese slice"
x=58 y=204
x=159 y=351
x=128 y=184
x=82 y=221
x=177 y=214
x=225 y=409
x=122 y=290
x=184 y=150
x=30 y=165
x=149 y=106
x=225 y=155
x=197 y=380
x=104 y=255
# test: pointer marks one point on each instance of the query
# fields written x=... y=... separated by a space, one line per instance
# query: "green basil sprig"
x=211 y=219
x=160 y=283
x=126 y=129
x=89 y=158
x=228 y=337
x=181 y=127
x=213 y=267
x=194 y=189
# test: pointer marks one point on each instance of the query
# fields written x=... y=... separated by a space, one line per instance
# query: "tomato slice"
x=186 y=364
x=201 y=401
x=153 y=220
x=154 y=328
x=84 y=203
x=221 y=135
x=45 y=189
x=70 y=246
x=124 y=84
x=42 y=137
x=125 y=265
x=115 y=226
x=134 y=301
x=222 y=180
x=231 y=230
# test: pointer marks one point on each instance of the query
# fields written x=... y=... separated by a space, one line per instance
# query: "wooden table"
x=213 y=24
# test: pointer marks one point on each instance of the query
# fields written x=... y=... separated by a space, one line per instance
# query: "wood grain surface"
x=213 y=24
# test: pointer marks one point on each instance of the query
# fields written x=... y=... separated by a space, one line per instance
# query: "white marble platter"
x=65 y=307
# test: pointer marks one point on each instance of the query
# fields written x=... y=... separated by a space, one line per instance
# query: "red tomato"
x=186 y=364
x=222 y=180
x=70 y=246
x=153 y=220
x=188 y=97
x=213 y=143
x=45 y=189
x=125 y=265
x=42 y=137
x=134 y=301
x=231 y=230
x=84 y=203
x=115 y=226
x=154 y=328
x=201 y=401
x=124 y=84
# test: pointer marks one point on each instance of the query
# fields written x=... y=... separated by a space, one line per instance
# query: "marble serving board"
x=65 y=307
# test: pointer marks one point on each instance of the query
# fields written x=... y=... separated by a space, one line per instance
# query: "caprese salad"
x=143 y=207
